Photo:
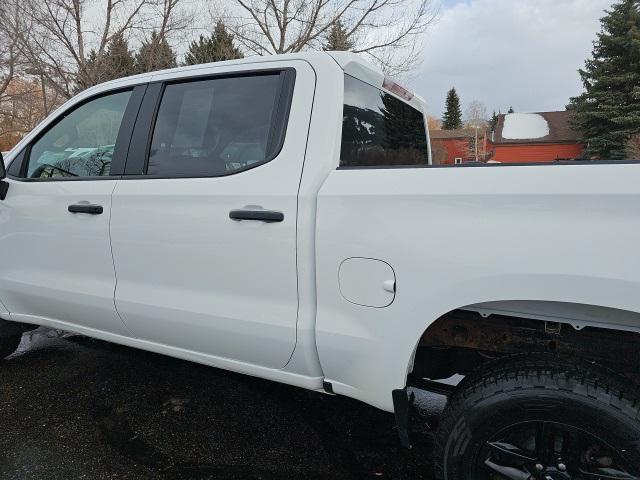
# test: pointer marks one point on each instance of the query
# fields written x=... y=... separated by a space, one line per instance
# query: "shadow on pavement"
x=73 y=407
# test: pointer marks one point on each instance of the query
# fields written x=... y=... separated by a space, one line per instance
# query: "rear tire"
x=540 y=417
x=8 y=345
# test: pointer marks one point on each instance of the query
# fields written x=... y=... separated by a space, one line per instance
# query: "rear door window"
x=217 y=126
x=379 y=129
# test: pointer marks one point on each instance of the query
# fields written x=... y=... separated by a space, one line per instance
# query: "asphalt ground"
x=72 y=407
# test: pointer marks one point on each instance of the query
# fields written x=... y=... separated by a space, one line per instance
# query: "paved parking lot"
x=72 y=407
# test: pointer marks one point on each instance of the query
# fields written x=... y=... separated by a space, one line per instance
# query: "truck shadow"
x=117 y=412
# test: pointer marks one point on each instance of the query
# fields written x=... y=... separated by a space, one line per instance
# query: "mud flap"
x=403 y=406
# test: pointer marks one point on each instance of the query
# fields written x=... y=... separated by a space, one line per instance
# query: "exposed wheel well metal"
x=461 y=340
x=577 y=315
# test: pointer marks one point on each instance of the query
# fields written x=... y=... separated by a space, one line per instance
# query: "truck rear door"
x=204 y=222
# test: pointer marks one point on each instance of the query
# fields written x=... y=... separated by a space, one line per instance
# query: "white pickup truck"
x=281 y=217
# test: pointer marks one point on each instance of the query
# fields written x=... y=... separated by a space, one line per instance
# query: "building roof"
x=460 y=133
x=531 y=128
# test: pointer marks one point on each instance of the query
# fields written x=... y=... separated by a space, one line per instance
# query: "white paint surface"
x=367 y=282
x=523 y=126
x=419 y=221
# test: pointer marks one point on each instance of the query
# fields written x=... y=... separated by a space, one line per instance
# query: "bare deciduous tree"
x=64 y=38
x=170 y=17
x=476 y=114
x=51 y=49
x=21 y=109
x=476 y=118
x=434 y=123
x=8 y=45
x=389 y=31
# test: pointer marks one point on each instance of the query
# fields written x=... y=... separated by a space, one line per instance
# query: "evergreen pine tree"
x=155 y=54
x=493 y=121
x=118 y=61
x=511 y=110
x=452 y=117
x=338 y=39
x=91 y=73
x=115 y=62
x=608 y=112
x=217 y=47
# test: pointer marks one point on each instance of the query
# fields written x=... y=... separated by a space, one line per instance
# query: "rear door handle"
x=86 y=208
x=269 y=216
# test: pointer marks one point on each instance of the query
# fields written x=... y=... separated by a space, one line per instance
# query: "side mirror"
x=4 y=186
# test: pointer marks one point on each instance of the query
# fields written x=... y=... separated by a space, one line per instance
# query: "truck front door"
x=204 y=225
x=54 y=223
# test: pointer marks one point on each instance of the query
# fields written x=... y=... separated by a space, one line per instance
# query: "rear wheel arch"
x=462 y=338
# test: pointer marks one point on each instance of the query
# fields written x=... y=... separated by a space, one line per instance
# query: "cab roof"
x=351 y=63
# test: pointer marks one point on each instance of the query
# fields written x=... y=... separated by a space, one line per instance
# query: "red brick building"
x=517 y=138
x=534 y=137
x=458 y=146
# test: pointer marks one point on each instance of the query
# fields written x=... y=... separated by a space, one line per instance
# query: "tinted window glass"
x=16 y=165
x=214 y=127
x=378 y=129
x=82 y=143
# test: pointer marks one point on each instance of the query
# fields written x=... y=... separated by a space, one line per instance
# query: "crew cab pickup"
x=281 y=217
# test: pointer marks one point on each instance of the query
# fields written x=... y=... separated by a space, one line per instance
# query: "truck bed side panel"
x=461 y=236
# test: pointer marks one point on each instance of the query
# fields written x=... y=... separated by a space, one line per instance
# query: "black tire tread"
x=539 y=372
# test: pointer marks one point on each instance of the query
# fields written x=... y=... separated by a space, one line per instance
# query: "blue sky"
x=524 y=53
